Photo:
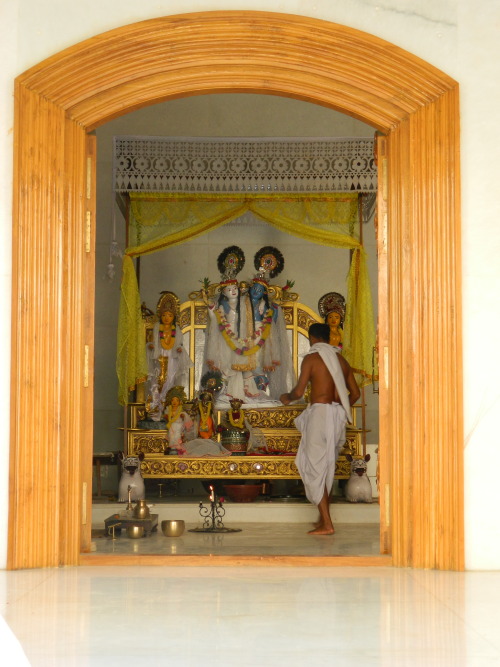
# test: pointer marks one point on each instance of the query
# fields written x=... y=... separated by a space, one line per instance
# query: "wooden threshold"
x=210 y=560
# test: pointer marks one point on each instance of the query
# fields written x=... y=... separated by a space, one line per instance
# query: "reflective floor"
x=267 y=529
x=255 y=539
x=130 y=616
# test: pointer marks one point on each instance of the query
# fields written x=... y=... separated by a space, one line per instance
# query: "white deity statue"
x=168 y=361
x=246 y=338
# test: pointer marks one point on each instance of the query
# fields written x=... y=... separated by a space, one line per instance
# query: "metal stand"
x=212 y=517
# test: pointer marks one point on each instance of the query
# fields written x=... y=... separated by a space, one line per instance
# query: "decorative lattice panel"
x=160 y=164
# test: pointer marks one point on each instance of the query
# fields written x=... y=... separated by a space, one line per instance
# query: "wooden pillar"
x=424 y=339
x=47 y=354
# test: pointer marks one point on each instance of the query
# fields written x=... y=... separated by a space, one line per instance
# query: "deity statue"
x=246 y=336
x=227 y=322
x=234 y=429
x=204 y=419
x=168 y=361
x=179 y=423
x=262 y=310
x=331 y=307
x=274 y=366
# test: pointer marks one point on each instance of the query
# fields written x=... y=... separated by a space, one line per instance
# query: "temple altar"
x=282 y=439
x=275 y=423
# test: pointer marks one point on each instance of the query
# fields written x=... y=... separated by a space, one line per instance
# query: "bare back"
x=323 y=389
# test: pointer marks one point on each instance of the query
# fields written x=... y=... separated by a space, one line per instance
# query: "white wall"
x=459 y=37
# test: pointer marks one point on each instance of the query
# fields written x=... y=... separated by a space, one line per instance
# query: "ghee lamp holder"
x=212 y=516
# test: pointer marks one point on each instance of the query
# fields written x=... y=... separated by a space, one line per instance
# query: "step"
x=273 y=511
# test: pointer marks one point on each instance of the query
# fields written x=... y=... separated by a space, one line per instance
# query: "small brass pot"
x=141 y=510
x=172 y=527
x=134 y=532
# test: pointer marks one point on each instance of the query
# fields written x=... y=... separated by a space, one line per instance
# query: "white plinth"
x=259 y=511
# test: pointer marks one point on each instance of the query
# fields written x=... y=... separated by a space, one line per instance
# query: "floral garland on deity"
x=236 y=422
x=242 y=345
x=174 y=416
x=163 y=333
x=179 y=393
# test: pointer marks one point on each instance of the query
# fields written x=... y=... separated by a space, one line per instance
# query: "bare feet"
x=324 y=526
x=322 y=530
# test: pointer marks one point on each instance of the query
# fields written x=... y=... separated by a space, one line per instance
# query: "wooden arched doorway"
x=61 y=100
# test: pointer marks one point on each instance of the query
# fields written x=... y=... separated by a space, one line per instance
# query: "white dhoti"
x=323 y=429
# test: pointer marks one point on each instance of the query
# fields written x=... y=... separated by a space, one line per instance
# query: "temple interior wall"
x=315 y=269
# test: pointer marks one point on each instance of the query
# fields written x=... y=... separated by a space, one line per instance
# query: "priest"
x=323 y=423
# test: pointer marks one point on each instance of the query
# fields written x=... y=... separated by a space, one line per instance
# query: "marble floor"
x=265 y=529
x=203 y=617
x=255 y=539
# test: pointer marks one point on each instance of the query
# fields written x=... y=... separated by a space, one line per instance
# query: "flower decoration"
x=251 y=344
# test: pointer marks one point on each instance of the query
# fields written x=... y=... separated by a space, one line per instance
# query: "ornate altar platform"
x=276 y=423
x=282 y=441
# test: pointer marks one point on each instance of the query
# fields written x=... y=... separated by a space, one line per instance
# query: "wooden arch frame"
x=61 y=100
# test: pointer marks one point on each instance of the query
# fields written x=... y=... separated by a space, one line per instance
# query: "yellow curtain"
x=131 y=364
x=160 y=220
x=359 y=325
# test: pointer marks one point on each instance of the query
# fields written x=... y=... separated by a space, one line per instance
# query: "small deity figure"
x=332 y=308
x=179 y=423
x=246 y=337
x=234 y=430
x=168 y=361
x=206 y=426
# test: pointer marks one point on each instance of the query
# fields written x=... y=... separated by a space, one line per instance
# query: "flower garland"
x=172 y=417
x=242 y=345
x=172 y=333
x=237 y=422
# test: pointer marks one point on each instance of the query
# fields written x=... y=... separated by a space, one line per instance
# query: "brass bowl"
x=134 y=532
x=172 y=527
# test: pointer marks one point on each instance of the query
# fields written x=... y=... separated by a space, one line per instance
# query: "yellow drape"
x=160 y=220
x=131 y=364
